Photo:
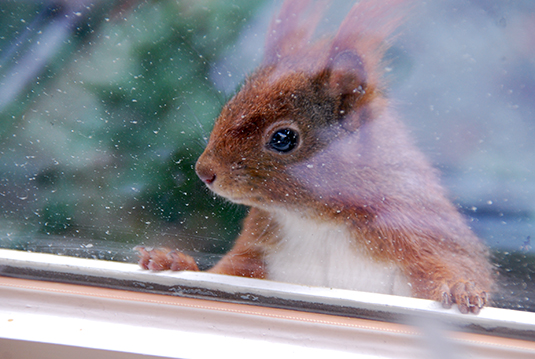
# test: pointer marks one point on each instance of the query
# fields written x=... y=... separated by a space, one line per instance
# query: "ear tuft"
x=292 y=29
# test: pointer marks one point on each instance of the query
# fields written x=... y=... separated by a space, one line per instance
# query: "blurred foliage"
x=103 y=144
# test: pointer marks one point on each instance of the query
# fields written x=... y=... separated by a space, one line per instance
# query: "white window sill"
x=255 y=318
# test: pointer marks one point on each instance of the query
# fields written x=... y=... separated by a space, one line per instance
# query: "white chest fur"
x=321 y=255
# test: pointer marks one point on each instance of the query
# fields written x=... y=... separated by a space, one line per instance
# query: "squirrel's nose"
x=207 y=178
x=205 y=173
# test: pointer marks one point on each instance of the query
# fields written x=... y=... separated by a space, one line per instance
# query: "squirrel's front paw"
x=467 y=296
x=159 y=259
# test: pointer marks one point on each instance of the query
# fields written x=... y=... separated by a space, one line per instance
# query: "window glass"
x=106 y=106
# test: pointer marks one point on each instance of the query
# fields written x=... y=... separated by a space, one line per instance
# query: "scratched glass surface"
x=106 y=106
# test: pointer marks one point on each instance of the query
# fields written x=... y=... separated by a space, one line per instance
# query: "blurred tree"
x=103 y=144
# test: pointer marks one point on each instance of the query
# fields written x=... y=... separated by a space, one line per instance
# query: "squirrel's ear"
x=347 y=83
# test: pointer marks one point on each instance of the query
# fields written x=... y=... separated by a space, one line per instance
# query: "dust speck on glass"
x=106 y=106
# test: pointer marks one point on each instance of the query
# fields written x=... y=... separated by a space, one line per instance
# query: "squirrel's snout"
x=205 y=173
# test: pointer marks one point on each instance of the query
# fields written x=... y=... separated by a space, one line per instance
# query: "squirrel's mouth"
x=232 y=196
x=238 y=197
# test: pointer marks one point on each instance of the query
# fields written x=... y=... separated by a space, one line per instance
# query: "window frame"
x=152 y=310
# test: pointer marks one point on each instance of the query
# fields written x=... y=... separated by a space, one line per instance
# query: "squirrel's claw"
x=159 y=259
x=465 y=294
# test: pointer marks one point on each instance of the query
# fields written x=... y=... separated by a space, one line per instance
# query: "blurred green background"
x=101 y=144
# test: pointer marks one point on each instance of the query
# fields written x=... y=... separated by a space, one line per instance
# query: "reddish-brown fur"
x=354 y=166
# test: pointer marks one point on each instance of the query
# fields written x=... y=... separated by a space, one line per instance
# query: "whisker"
x=204 y=134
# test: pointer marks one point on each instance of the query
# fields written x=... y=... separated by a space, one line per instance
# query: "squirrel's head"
x=282 y=127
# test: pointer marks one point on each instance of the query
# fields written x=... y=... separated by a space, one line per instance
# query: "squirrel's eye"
x=284 y=140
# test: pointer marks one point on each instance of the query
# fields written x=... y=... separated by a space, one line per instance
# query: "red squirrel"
x=339 y=195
